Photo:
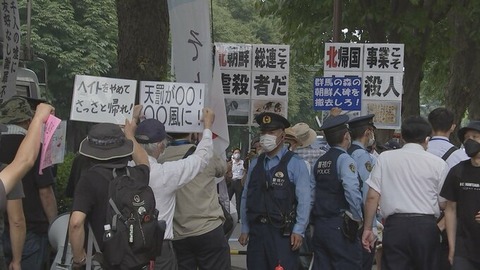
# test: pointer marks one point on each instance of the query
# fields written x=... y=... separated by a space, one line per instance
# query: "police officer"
x=337 y=211
x=276 y=200
x=362 y=131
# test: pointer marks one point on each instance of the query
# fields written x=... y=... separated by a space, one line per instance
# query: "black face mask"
x=472 y=147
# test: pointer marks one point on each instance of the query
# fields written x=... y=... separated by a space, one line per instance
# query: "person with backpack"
x=167 y=178
x=107 y=147
x=442 y=122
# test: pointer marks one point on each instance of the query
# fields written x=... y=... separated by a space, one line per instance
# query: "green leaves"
x=74 y=37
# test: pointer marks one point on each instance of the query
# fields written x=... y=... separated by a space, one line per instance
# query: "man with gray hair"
x=167 y=178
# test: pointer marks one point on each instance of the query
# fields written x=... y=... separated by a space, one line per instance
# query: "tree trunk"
x=463 y=69
x=143 y=31
x=411 y=82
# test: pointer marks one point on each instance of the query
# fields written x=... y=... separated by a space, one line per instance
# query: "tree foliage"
x=440 y=37
x=74 y=37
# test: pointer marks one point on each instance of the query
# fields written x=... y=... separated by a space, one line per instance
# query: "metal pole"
x=29 y=30
x=337 y=20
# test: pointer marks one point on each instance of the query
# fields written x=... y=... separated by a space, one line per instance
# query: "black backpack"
x=135 y=236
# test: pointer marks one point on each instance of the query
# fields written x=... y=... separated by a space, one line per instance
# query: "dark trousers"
x=410 y=242
x=367 y=258
x=442 y=256
x=462 y=263
x=332 y=250
x=306 y=247
x=35 y=250
x=208 y=251
x=236 y=188
x=167 y=260
x=267 y=247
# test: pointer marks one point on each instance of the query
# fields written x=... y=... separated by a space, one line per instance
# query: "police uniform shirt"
x=298 y=175
x=365 y=164
x=347 y=174
x=409 y=180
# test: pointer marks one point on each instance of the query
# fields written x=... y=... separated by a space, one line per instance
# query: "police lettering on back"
x=323 y=167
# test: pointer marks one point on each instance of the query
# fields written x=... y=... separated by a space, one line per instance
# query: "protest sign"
x=177 y=105
x=46 y=157
x=102 y=100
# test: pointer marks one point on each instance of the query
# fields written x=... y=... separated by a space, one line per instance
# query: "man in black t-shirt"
x=105 y=144
x=462 y=190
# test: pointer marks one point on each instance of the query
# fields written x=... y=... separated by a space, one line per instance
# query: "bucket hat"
x=106 y=141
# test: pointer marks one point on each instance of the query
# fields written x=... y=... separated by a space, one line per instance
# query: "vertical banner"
x=192 y=55
x=11 y=48
x=191 y=40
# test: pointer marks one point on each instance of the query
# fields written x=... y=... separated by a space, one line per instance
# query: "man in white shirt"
x=442 y=121
x=167 y=178
x=238 y=171
x=406 y=182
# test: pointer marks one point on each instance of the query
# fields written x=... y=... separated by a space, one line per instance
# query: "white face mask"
x=371 y=140
x=268 y=142
x=236 y=156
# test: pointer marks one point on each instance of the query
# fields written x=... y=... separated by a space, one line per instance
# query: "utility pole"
x=337 y=20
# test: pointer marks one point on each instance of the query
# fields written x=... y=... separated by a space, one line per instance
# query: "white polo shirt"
x=167 y=178
x=409 y=180
x=439 y=145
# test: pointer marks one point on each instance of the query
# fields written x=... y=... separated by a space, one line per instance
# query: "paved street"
x=239 y=261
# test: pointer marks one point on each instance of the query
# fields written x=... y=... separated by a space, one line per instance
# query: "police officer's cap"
x=271 y=121
x=473 y=125
x=362 y=121
x=334 y=124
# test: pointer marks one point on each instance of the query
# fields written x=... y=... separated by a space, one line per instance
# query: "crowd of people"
x=398 y=208
x=415 y=205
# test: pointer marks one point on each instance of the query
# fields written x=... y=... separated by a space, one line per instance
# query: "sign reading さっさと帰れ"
x=177 y=105
x=102 y=100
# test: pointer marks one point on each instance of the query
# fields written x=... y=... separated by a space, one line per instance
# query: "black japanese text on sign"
x=100 y=99
x=11 y=48
x=177 y=105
